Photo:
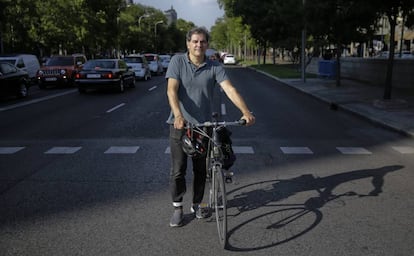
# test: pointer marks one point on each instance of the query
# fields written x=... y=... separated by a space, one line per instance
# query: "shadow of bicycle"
x=289 y=221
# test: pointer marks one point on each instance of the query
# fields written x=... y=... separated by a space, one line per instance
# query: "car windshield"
x=150 y=57
x=60 y=61
x=11 y=61
x=95 y=64
x=133 y=60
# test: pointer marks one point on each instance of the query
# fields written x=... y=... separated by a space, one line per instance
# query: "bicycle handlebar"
x=240 y=122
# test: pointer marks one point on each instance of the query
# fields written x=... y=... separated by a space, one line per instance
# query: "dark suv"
x=60 y=70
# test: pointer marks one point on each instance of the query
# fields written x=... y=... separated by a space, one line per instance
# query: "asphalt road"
x=88 y=175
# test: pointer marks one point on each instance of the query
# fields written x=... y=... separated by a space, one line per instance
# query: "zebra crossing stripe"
x=296 y=150
x=10 y=150
x=404 y=150
x=63 y=150
x=353 y=151
x=122 y=150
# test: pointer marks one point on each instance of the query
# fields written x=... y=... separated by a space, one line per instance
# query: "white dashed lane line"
x=296 y=150
x=115 y=108
x=9 y=150
x=63 y=150
x=122 y=150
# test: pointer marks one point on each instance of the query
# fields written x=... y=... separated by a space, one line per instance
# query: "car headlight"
x=40 y=73
x=63 y=71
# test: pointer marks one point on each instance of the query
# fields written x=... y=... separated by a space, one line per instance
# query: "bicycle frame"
x=214 y=163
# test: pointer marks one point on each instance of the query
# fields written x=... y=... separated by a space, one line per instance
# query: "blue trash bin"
x=327 y=68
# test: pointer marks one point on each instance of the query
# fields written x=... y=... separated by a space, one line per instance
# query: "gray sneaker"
x=201 y=211
x=177 y=218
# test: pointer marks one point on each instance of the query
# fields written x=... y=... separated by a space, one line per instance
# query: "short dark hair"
x=198 y=30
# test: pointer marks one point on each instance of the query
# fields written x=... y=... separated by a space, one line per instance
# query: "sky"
x=200 y=12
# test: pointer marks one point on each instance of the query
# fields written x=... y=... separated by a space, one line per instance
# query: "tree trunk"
x=390 y=63
x=338 y=64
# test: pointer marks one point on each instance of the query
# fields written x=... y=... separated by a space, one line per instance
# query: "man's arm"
x=172 y=93
x=238 y=101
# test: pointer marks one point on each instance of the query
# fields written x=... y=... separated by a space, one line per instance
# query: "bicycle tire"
x=220 y=205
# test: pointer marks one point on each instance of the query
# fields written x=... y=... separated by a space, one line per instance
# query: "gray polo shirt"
x=196 y=88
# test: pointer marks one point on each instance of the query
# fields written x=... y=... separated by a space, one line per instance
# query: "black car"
x=105 y=73
x=13 y=81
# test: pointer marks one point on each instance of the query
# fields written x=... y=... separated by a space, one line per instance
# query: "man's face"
x=197 y=46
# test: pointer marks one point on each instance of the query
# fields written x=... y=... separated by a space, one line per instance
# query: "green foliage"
x=95 y=27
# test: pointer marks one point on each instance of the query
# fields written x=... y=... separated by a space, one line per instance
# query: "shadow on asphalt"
x=291 y=221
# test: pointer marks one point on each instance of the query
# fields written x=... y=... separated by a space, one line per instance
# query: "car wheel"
x=23 y=90
x=121 y=85
x=133 y=83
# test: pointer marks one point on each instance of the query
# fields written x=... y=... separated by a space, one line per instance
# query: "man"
x=191 y=80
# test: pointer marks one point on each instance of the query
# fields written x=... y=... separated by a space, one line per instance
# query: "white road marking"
x=223 y=109
x=115 y=108
x=10 y=150
x=63 y=150
x=122 y=150
x=296 y=150
x=36 y=100
x=404 y=150
x=243 y=150
x=152 y=88
x=353 y=151
x=167 y=150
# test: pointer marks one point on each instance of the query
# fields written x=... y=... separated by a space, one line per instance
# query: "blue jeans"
x=179 y=168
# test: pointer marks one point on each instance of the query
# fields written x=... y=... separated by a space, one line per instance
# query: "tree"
x=339 y=22
x=393 y=9
x=270 y=21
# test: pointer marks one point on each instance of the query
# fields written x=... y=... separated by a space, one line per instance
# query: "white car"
x=154 y=63
x=229 y=59
x=165 y=61
x=26 y=62
x=139 y=65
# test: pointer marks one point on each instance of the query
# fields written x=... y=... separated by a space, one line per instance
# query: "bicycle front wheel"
x=220 y=205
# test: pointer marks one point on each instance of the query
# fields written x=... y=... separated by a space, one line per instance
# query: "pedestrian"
x=191 y=78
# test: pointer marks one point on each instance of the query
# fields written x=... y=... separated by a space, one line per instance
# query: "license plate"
x=50 y=79
x=93 y=76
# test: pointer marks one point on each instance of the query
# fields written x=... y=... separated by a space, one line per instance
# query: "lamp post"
x=139 y=20
x=155 y=34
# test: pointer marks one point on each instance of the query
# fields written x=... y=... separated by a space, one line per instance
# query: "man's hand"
x=179 y=122
x=250 y=119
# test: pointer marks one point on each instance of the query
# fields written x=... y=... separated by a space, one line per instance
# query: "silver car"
x=139 y=65
x=154 y=63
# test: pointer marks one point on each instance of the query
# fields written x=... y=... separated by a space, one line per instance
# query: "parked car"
x=25 y=62
x=165 y=61
x=13 y=81
x=229 y=59
x=154 y=63
x=60 y=70
x=139 y=65
x=105 y=73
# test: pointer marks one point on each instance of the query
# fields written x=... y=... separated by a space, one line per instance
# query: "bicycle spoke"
x=220 y=206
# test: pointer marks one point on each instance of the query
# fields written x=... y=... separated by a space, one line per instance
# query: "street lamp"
x=155 y=33
x=139 y=19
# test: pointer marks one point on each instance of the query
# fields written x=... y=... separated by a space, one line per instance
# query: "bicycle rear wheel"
x=220 y=205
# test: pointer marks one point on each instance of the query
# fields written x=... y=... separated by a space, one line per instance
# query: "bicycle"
x=215 y=173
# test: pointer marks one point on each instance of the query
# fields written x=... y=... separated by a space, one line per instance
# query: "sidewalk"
x=361 y=99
